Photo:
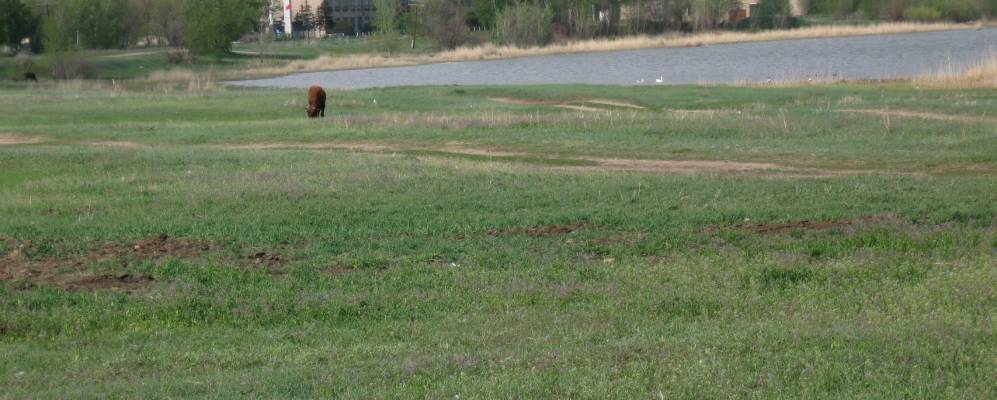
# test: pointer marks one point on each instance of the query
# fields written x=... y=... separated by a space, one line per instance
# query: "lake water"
x=858 y=57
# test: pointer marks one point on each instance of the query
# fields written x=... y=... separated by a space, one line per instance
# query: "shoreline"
x=489 y=52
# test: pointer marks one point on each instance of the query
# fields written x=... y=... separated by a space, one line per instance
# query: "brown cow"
x=316 y=102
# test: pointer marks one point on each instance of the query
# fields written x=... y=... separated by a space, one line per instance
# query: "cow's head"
x=312 y=111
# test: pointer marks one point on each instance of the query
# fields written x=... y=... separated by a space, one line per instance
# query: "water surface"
x=857 y=57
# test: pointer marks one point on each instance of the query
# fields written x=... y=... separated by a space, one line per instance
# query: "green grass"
x=139 y=62
x=415 y=270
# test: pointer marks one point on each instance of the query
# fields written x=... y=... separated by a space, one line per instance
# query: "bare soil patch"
x=922 y=115
x=113 y=143
x=459 y=149
x=126 y=282
x=408 y=120
x=615 y=103
x=365 y=147
x=72 y=274
x=687 y=166
x=576 y=105
x=541 y=231
x=696 y=112
x=525 y=102
x=165 y=246
x=132 y=54
x=580 y=108
x=602 y=164
x=9 y=139
x=265 y=258
x=804 y=225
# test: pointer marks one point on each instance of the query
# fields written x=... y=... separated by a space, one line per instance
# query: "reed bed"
x=980 y=74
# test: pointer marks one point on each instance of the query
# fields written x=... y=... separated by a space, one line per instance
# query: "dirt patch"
x=568 y=104
x=804 y=225
x=459 y=149
x=580 y=108
x=365 y=147
x=922 y=115
x=9 y=139
x=680 y=167
x=369 y=147
x=524 y=102
x=699 y=112
x=541 y=231
x=615 y=103
x=165 y=246
x=600 y=164
x=113 y=143
x=264 y=258
x=67 y=272
x=133 y=54
x=126 y=282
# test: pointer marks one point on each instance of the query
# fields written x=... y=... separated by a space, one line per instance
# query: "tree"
x=525 y=24
x=16 y=23
x=487 y=10
x=168 y=21
x=325 y=17
x=139 y=21
x=387 y=21
x=708 y=14
x=101 y=23
x=304 y=19
x=655 y=16
x=212 y=25
x=445 y=22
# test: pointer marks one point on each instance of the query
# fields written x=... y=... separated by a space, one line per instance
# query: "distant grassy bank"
x=483 y=242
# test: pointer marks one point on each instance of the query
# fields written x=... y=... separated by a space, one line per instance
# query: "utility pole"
x=414 y=11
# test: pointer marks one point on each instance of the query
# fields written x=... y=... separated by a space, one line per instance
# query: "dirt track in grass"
x=922 y=115
x=597 y=163
x=9 y=139
x=588 y=105
x=805 y=225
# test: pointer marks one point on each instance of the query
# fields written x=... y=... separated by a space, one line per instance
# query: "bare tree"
x=168 y=21
x=445 y=22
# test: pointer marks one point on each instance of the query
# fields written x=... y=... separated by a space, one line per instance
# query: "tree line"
x=210 y=26
x=202 y=26
x=537 y=22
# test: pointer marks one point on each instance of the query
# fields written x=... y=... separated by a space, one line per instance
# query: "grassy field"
x=139 y=62
x=485 y=242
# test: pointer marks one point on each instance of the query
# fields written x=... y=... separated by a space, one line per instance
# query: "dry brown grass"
x=492 y=52
x=182 y=79
x=982 y=74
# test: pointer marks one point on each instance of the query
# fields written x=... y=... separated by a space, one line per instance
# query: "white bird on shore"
x=659 y=80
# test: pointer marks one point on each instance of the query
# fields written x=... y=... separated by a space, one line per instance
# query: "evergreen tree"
x=16 y=23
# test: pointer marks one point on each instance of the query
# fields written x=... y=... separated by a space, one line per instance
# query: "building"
x=348 y=16
x=351 y=16
x=743 y=12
